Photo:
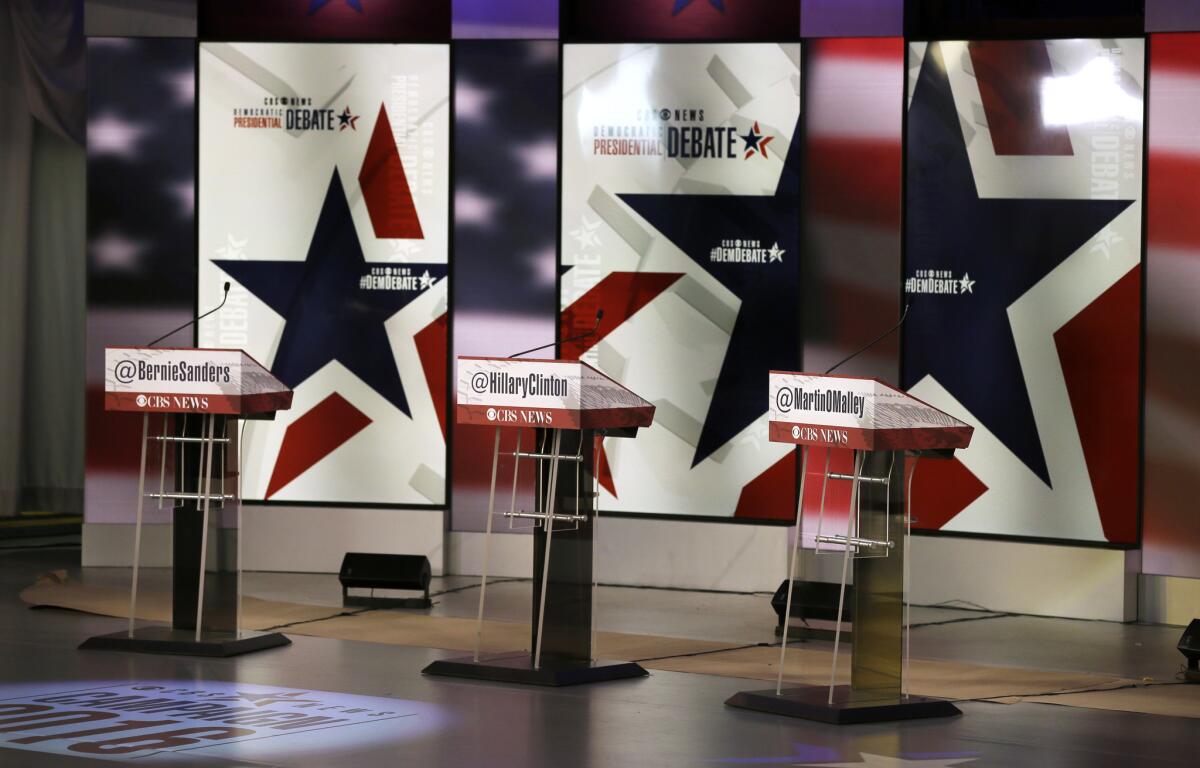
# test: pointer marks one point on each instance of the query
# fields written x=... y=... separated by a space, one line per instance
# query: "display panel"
x=408 y=20
x=324 y=200
x=1022 y=270
x=625 y=20
x=680 y=222
x=506 y=98
x=1170 y=536
x=141 y=237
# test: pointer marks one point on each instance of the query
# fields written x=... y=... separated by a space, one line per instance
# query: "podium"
x=199 y=395
x=888 y=432
x=571 y=407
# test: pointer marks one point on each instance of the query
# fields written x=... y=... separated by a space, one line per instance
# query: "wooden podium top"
x=183 y=380
x=554 y=394
x=854 y=412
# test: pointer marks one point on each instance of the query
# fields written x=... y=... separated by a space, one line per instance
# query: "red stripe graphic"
x=1010 y=75
x=620 y=295
x=858 y=180
x=385 y=186
x=1173 y=198
x=890 y=49
x=314 y=436
x=1099 y=350
x=941 y=489
x=431 y=348
x=1175 y=53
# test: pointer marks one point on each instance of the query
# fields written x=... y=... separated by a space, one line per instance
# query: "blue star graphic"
x=681 y=4
x=751 y=138
x=316 y=5
x=766 y=333
x=328 y=315
x=965 y=341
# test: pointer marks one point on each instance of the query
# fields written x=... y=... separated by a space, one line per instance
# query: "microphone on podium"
x=876 y=340
x=196 y=319
x=579 y=337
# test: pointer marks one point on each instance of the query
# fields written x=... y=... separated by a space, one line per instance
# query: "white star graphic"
x=233 y=248
x=586 y=233
x=1105 y=241
x=426 y=280
x=882 y=761
x=776 y=253
x=966 y=284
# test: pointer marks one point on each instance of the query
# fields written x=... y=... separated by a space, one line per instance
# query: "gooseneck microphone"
x=196 y=319
x=579 y=337
x=873 y=342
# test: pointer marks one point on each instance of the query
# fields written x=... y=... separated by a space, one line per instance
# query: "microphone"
x=876 y=340
x=196 y=319
x=596 y=327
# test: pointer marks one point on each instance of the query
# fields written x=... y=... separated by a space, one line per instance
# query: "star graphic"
x=328 y=317
x=346 y=119
x=756 y=142
x=681 y=4
x=765 y=334
x=1108 y=238
x=316 y=5
x=586 y=235
x=776 y=253
x=968 y=346
x=966 y=284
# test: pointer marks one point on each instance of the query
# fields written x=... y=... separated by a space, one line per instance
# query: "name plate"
x=171 y=380
x=857 y=413
x=554 y=394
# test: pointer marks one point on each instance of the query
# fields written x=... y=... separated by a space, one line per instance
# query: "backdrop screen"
x=323 y=200
x=680 y=220
x=1023 y=257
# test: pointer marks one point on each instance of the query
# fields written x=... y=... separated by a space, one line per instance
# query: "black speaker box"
x=369 y=570
x=814 y=610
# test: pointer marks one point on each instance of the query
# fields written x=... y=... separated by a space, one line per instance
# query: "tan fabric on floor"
x=1173 y=700
x=806 y=665
x=56 y=590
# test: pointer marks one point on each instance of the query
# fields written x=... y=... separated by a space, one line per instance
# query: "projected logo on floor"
x=152 y=720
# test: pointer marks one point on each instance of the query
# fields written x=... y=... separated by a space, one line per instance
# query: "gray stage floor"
x=667 y=719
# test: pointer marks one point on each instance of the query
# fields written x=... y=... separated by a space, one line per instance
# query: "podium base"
x=182 y=642
x=812 y=703
x=518 y=668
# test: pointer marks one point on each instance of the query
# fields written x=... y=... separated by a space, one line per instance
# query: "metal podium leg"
x=597 y=444
x=137 y=528
x=787 y=610
x=851 y=519
x=553 y=488
x=241 y=433
x=207 y=450
x=487 y=538
x=908 y=518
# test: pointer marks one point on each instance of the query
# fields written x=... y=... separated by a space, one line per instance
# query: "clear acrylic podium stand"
x=882 y=426
x=572 y=406
x=197 y=398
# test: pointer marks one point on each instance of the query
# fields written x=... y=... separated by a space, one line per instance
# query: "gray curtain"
x=42 y=241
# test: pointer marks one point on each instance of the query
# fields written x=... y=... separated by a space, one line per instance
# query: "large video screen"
x=680 y=222
x=1023 y=273
x=323 y=200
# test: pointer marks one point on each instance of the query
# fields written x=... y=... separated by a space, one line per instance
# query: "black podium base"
x=812 y=703
x=182 y=642
x=518 y=668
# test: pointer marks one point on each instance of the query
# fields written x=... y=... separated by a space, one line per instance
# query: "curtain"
x=42 y=111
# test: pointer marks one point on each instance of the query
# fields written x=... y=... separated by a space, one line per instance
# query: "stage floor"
x=668 y=719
